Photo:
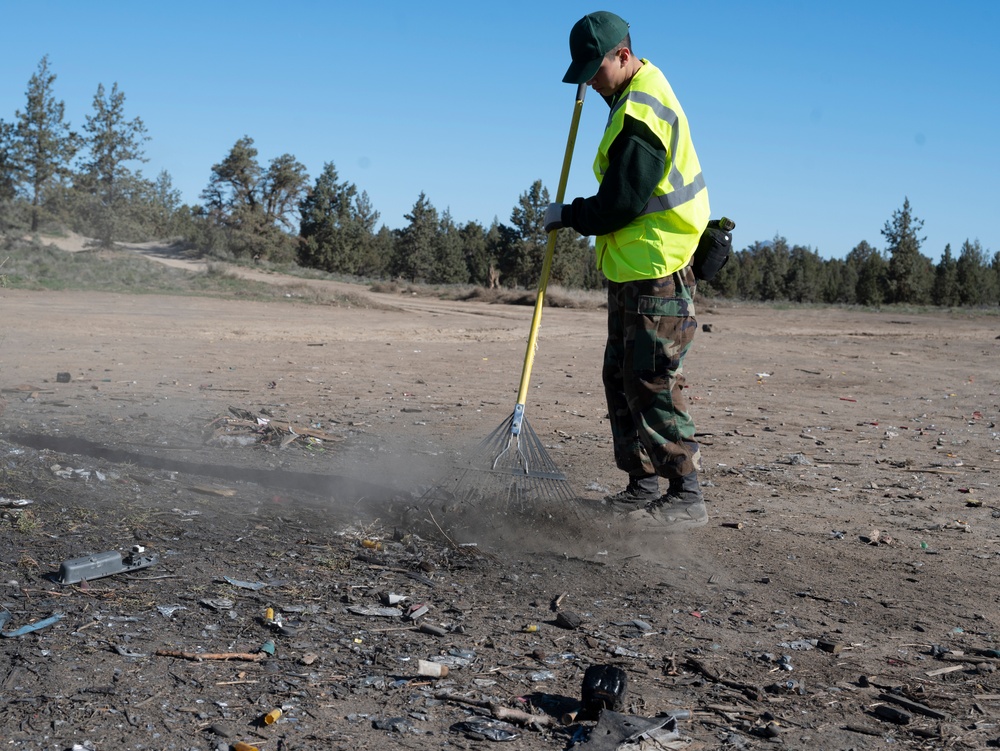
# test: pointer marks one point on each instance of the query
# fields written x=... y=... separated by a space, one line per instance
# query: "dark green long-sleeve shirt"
x=636 y=162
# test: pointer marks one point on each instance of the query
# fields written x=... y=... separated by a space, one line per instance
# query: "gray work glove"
x=553 y=217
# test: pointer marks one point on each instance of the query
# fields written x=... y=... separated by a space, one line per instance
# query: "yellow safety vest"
x=662 y=239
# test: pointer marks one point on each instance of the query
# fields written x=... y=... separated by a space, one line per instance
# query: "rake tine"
x=511 y=471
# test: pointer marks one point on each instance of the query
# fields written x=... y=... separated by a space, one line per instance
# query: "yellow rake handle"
x=543 y=283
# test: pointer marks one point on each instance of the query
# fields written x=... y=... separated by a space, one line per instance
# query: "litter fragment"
x=31 y=627
x=388 y=598
x=603 y=687
x=614 y=730
x=799 y=645
x=568 y=619
x=223 y=656
x=877 y=537
x=393 y=724
x=415 y=611
x=220 y=603
x=212 y=490
x=431 y=669
x=370 y=610
x=6 y=502
x=428 y=628
x=892 y=714
x=486 y=729
x=244 y=584
x=913 y=706
x=102 y=564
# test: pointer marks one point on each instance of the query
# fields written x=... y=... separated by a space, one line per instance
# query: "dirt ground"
x=274 y=455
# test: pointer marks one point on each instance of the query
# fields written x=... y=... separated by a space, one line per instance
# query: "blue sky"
x=812 y=121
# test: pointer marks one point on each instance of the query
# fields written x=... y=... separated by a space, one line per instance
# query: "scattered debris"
x=877 y=537
x=9 y=502
x=243 y=428
x=223 y=656
x=30 y=628
x=88 y=568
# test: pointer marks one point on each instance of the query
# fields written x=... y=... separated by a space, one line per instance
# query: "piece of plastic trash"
x=218 y=603
x=603 y=687
x=431 y=669
x=371 y=610
x=417 y=610
x=244 y=584
x=99 y=565
x=615 y=730
x=486 y=729
x=36 y=626
x=14 y=502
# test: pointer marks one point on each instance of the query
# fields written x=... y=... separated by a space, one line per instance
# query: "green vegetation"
x=900 y=275
x=34 y=265
x=52 y=177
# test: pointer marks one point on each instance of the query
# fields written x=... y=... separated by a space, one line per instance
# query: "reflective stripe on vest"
x=681 y=193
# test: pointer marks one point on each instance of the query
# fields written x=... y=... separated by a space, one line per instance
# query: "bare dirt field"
x=273 y=455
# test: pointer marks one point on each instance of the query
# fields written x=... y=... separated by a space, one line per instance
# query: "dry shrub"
x=220 y=271
x=389 y=288
x=586 y=299
x=555 y=297
x=481 y=294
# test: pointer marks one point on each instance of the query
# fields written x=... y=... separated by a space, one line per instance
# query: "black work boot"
x=640 y=490
x=684 y=489
x=682 y=506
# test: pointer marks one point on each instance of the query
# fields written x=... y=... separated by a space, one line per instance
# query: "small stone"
x=568 y=619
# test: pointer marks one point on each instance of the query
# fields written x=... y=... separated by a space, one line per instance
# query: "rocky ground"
x=275 y=455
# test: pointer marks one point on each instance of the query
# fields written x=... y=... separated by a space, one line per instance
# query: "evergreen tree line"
x=900 y=274
x=88 y=181
x=83 y=179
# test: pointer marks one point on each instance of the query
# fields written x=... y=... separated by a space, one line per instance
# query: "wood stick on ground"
x=502 y=713
x=750 y=691
x=443 y=533
x=201 y=656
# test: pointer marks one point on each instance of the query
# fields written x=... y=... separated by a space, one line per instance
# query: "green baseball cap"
x=591 y=38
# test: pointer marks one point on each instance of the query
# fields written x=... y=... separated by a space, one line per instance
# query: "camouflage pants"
x=651 y=325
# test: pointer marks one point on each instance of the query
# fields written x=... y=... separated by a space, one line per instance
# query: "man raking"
x=649 y=212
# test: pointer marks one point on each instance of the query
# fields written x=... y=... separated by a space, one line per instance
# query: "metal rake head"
x=507 y=478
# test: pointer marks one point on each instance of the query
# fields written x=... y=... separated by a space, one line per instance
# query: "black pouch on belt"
x=713 y=249
x=603 y=688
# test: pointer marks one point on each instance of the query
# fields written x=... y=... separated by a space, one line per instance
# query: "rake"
x=510 y=472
